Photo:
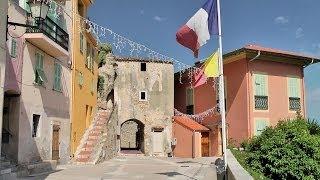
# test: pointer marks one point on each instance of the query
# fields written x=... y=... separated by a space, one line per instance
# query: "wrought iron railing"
x=261 y=102
x=50 y=29
x=294 y=103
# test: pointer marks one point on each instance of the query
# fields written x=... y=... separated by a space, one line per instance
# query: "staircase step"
x=93 y=137
x=95 y=133
x=82 y=159
x=86 y=148
x=42 y=167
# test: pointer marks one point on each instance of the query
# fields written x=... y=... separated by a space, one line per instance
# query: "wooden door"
x=55 y=142
x=205 y=144
x=157 y=142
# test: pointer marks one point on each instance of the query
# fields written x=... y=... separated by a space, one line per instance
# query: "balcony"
x=49 y=37
x=261 y=102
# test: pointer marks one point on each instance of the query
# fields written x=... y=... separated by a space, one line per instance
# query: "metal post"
x=221 y=91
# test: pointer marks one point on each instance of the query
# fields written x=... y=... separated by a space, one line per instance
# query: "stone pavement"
x=138 y=167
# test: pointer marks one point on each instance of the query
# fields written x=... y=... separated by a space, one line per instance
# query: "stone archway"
x=132 y=135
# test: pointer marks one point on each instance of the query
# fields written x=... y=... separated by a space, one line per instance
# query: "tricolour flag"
x=198 y=29
x=210 y=69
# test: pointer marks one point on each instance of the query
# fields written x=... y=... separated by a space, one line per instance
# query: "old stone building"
x=143 y=93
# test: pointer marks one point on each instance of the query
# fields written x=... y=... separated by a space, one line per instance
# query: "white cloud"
x=159 y=19
x=281 y=20
x=299 y=33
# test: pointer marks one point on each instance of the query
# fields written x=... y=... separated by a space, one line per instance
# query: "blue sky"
x=287 y=24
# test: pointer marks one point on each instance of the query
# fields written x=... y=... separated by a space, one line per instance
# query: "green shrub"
x=290 y=150
x=104 y=49
x=100 y=85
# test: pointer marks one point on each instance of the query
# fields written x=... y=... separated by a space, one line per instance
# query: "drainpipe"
x=312 y=60
x=259 y=53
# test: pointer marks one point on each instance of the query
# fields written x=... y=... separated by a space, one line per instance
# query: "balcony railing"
x=50 y=29
x=261 y=102
x=294 y=103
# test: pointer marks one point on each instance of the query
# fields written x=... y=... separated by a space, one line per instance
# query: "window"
x=143 y=66
x=39 y=72
x=260 y=124
x=80 y=79
x=261 y=91
x=92 y=58
x=189 y=101
x=57 y=77
x=93 y=85
x=35 y=125
x=13 y=47
x=81 y=42
x=88 y=55
x=143 y=96
x=294 y=93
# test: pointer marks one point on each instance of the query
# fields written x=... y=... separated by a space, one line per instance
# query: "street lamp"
x=39 y=10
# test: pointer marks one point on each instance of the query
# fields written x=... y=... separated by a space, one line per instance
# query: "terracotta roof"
x=189 y=123
x=255 y=47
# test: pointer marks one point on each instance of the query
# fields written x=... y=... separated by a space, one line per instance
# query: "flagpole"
x=221 y=91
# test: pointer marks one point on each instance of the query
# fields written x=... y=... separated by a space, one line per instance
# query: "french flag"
x=200 y=27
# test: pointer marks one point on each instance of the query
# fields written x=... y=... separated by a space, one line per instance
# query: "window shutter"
x=81 y=42
x=294 y=87
x=261 y=86
x=14 y=47
x=189 y=96
x=261 y=124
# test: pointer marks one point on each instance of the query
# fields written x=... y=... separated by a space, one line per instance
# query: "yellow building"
x=84 y=74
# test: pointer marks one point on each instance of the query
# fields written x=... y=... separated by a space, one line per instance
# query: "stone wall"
x=156 y=111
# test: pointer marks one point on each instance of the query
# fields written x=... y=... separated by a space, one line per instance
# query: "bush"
x=104 y=49
x=100 y=84
x=290 y=150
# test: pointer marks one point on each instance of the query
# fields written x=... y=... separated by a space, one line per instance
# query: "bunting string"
x=200 y=116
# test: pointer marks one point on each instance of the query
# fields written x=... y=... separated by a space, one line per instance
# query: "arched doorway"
x=132 y=135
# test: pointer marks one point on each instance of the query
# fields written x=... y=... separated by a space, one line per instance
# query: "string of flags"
x=198 y=117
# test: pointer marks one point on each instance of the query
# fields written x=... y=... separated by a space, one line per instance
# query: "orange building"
x=84 y=73
x=262 y=86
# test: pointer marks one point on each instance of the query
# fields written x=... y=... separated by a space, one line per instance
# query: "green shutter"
x=57 y=77
x=294 y=87
x=14 y=47
x=88 y=55
x=39 y=72
x=261 y=85
x=189 y=96
x=80 y=79
x=260 y=124
x=81 y=42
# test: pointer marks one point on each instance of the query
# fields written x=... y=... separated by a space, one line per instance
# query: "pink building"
x=262 y=85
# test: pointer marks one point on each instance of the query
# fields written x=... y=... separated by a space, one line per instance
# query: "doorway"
x=157 y=141
x=132 y=136
x=205 y=144
x=55 y=142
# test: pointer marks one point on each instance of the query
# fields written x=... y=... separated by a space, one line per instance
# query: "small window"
x=143 y=96
x=81 y=42
x=13 y=47
x=294 y=92
x=35 y=125
x=261 y=125
x=261 y=91
x=40 y=76
x=57 y=77
x=143 y=66
x=80 y=79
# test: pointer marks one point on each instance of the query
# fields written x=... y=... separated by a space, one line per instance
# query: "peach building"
x=262 y=86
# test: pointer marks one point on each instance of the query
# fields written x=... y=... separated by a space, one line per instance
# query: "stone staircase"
x=6 y=169
x=91 y=144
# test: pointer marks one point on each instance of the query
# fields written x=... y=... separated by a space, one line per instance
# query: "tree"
x=104 y=49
